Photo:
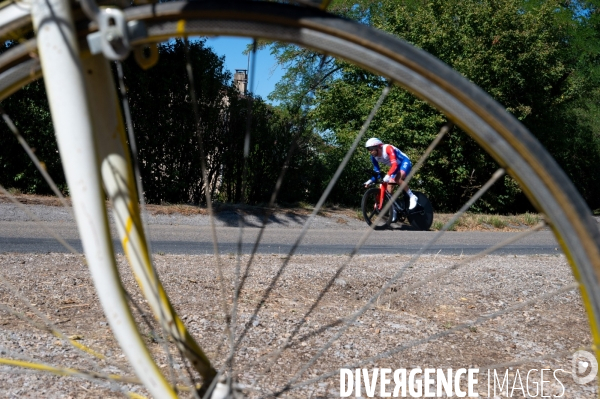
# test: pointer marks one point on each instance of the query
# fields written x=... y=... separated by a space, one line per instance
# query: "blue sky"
x=267 y=73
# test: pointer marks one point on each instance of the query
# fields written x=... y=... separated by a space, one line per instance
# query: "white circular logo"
x=584 y=367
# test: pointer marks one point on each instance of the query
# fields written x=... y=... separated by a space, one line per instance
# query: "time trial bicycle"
x=375 y=199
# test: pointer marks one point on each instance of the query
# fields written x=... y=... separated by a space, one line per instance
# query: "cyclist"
x=398 y=162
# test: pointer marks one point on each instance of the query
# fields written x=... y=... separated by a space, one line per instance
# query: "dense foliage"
x=28 y=108
x=167 y=139
x=169 y=153
x=537 y=58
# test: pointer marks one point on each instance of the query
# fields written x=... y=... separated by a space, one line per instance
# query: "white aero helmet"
x=372 y=142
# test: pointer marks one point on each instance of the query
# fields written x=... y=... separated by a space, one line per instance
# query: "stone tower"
x=240 y=79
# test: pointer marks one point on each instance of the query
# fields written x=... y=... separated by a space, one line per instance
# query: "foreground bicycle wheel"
x=498 y=132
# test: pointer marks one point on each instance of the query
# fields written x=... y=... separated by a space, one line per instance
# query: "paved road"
x=27 y=237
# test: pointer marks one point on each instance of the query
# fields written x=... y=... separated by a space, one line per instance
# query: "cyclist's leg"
x=400 y=179
x=405 y=169
x=401 y=176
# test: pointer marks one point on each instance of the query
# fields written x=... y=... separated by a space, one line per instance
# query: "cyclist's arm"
x=375 y=168
x=395 y=167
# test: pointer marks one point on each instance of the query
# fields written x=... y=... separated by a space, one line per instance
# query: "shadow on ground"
x=253 y=217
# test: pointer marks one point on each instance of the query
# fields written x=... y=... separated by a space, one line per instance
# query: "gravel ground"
x=59 y=287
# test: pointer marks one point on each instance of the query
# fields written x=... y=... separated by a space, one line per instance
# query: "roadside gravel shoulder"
x=293 y=218
x=405 y=316
x=50 y=209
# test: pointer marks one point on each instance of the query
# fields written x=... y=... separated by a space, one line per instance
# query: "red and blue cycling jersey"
x=394 y=158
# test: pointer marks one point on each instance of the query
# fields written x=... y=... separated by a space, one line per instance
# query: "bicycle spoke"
x=48 y=325
x=188 y=376
x=24 y=362
x=137 y=176
x=396 y=276
x=478 y=321
x=429 y=279
x=51 y=327
x=137 y=247
x=151 y=276
x=239 y=284
x=270 y=207
x=133 y=148
x=207 y=194
x=158 y=336
x=40 y=223
x=34 y=158
x=63 y=371
x=405 y=290
x=316 y=209
x=241 y=219
x=288 y=343
x=470 y=259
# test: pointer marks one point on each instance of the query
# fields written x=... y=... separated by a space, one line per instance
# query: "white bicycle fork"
x=65 y=80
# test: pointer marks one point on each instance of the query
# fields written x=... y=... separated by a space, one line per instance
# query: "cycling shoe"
x=413 y=202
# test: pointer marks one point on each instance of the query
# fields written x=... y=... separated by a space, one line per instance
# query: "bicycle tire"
x=498 y=132
x=370 y=214
x=424 y=219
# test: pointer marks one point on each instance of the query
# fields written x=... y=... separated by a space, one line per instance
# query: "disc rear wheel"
x=422 y=217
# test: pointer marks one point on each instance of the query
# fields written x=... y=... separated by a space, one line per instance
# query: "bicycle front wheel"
x=470 y=108
x=372 y=212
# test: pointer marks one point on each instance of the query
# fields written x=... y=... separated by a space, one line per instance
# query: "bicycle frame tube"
x=71 y=115
x=382 y=191
x=119 y=181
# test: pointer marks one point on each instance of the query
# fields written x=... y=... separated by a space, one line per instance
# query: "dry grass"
x=182 y=209
x=473 y=221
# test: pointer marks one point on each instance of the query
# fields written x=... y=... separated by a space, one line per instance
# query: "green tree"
x=531 y=56
x=164 y=122
x=277 y=138
x=165 y=131
x=28 y=108
x=167 y=141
